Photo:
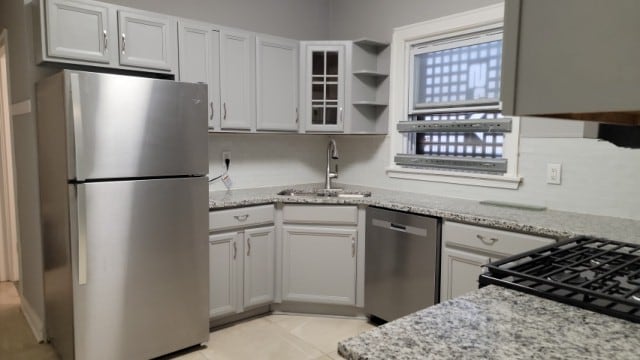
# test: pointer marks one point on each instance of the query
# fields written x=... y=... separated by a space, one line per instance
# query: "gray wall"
x=22 y=72
x=296 y=19
x=352 y=19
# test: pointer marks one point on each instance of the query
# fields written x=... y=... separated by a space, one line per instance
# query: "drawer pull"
x=248 y=246
x=486 y=241
x=353 y=246
x=241 y=218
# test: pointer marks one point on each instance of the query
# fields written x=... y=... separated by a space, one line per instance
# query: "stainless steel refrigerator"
x=122 y=164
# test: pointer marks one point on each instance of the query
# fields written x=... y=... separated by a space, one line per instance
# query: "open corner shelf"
x=370 y=73
x=378 y=45
x=369 y=103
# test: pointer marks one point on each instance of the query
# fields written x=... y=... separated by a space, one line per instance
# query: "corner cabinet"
x=324 y=87
x=94 y=33
x=343 y=87
x=466 y=248
x=241 y=260
x=320 y=252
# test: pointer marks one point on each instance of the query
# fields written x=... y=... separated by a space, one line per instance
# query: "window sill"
x=462 y=178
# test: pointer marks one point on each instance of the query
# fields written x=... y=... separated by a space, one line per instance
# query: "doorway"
x=9 y=263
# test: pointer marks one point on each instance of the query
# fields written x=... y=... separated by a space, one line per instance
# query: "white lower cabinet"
x=319 y=264
x=223 y=270
x=466 y=248
x=259 y=266
x=460 y=271
x=241 y=260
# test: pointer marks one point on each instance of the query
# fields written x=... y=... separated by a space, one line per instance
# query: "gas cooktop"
x=595 y=274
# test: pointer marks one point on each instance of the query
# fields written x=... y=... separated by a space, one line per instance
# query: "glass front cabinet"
x=325 y=88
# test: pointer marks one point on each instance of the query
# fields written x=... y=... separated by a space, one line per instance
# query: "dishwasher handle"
x=399 y=227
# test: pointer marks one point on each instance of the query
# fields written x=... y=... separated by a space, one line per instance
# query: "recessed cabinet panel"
x=223 y=258
x=259 y=266
x=78 y=30
x=236 y=79
x=319 y=265
x=460 y=272
x=146 y=39
x=199 y=63
x=277 y=83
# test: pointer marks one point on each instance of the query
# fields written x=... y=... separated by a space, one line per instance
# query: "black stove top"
x=596 y=274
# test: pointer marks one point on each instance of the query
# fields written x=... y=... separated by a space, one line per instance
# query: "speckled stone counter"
x=498 y=323
x=550 y=223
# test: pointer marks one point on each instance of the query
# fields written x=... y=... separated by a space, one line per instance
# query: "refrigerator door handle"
x=78 y=138
x=82 y=233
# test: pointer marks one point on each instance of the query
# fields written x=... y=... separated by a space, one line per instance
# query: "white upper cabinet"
x=237 y=77
x=146 y=39
x=86 y=32
x=324 y=87
x=277 y=83
x=78 y=30
x=198 y=64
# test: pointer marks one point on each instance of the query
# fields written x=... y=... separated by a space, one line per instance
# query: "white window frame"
x=404 y=38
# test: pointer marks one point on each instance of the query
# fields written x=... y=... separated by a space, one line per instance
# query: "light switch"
x=554 y=174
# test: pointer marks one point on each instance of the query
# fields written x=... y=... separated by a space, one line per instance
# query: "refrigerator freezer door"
x=140 y=267
x=132 y=127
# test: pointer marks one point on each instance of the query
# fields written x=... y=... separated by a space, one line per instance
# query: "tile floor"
x=272 y=337
x=16 y=339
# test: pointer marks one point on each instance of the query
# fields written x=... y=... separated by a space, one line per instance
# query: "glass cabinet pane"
x=332 y=116
x=332 y=62
x=317 y=63
x=317 y=92
x=317 y=115
x=332 y=92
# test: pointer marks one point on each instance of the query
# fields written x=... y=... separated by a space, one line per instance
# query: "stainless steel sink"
x=326 y=193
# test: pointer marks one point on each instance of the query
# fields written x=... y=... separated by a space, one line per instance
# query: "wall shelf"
x=366 y=42
x=369 y=103
x=370 y=73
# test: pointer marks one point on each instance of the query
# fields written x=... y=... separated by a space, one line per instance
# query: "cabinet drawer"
x=320 y=214
x=240 y=217
x=490 y=240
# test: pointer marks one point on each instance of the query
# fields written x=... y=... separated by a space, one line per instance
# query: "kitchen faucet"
x=332 y=152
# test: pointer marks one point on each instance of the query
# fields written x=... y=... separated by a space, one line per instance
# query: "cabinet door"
x=147 y=40
x=223 y=274
x=197 y=63
x=319 y=264
x=460 y=272
x=259 y=266
x=276 y=83
x=237 y=75
x=325 y=88
x=78 y=30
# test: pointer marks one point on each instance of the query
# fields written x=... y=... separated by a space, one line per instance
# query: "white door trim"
x=9 y=221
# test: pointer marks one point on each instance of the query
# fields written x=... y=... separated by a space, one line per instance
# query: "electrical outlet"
x=554 y=174
x=226 y=155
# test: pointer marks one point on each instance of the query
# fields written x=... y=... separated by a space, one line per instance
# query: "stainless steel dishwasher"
x=402 y=263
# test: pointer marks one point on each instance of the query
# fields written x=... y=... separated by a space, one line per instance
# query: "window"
x=448 y=124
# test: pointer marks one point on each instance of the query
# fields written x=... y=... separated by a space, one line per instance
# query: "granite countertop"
x=498 y=323
x=549 y=223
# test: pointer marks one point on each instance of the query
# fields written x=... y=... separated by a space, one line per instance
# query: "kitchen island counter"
x=498 y=323
x=548 y=223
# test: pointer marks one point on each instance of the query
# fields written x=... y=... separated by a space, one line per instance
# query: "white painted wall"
x=598 y=178
x=259 y=160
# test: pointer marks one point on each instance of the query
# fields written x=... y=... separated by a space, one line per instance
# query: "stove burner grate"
x=596 y=274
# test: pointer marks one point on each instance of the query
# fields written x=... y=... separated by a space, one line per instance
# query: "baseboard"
x=34 y=321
